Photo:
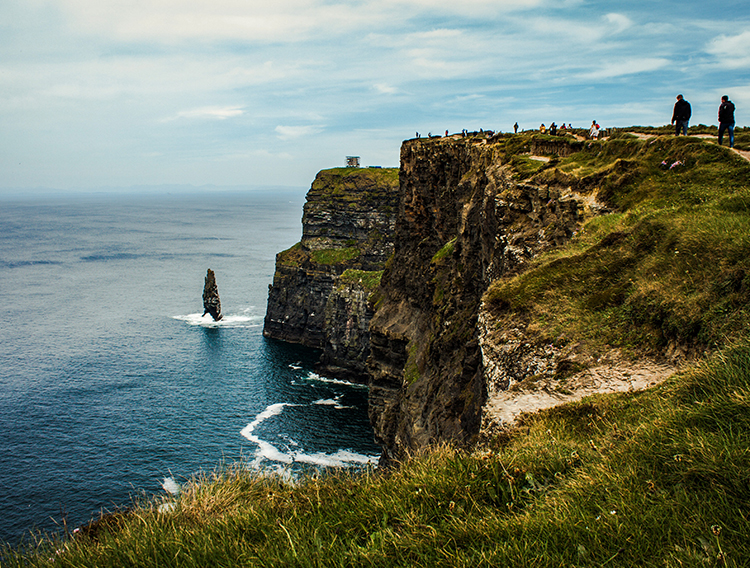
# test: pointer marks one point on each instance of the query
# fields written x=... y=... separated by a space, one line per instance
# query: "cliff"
x=320 y=296
x=532 y=270
x=464 y=220
x=523 y=271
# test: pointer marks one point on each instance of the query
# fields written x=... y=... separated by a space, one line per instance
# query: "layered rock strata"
x=322 y=286
x=464 y=220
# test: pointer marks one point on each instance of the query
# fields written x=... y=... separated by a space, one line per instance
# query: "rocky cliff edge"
x=322 y=286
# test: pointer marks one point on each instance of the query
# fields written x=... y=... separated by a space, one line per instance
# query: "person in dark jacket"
x=726 y=120
x=681 y=116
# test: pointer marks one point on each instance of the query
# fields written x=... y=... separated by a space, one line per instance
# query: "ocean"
x=111 y=381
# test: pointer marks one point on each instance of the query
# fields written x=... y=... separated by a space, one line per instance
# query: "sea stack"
x=211 y=302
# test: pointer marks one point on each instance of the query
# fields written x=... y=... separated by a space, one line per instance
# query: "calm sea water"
x=110 y=379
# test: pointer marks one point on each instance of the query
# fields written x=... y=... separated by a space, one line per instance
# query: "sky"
x=129 y=93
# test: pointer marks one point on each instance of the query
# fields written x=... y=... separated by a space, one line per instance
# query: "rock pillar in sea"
x=211 y=302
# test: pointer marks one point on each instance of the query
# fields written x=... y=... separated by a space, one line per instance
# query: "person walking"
x=681 y=116
x=594 y=132
x=726 y=120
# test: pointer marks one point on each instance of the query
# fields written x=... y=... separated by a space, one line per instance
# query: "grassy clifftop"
x=669 y=265
x=653 y=478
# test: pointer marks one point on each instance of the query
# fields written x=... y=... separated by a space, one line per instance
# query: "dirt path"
x=641 y=135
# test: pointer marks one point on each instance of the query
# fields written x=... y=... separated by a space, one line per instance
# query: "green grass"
x=656 y=478
x=369 y=279
x=673 y=265
x=446 y=251
x=334 y=256
x=349 y=182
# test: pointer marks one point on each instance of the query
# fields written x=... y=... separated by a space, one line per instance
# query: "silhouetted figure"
x=681 y=116
x=726 y=120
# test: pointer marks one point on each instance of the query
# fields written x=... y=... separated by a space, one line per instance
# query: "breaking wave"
x=318 y=378
x=246 y=318
x=268 y=451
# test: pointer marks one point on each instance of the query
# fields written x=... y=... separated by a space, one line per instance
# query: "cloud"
x=580 y=30
x=169 y=21
x=293 y=132
x=471 y=8
x=618 y=22
x=733 y=52
x=215 y=112
x=621 y=68
x=385 y=89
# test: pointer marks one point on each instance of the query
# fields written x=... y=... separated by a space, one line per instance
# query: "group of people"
x=680 y=119
x=682 y=113
x=464 y=133
x=552 y=130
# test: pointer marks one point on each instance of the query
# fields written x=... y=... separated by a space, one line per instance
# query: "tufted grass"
x=670 y=265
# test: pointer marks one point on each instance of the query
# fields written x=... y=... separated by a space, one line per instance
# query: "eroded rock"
x=211 y=302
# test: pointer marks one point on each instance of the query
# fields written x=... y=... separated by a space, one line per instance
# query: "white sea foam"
x=316 y=377
x=167 y=507
x=326 y=402
x=341 y=458
x=335 y=402
x=244 y=319
x=170 y=486
x=268 y=451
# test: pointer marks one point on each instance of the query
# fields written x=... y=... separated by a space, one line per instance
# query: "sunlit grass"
x=673 y=265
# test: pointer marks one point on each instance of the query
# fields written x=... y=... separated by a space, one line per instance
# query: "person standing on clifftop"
x=594 y=132
x=726 y=120
x=515 y=128
x=681 y=116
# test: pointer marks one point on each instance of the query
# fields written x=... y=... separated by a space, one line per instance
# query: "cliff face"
x=320 y=291
x=483 y=311
x=464 y=220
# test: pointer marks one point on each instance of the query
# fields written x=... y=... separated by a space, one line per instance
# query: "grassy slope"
x=658 y=478
x=671 y=266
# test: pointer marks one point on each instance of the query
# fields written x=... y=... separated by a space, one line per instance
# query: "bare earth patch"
x=642 y=136
x=616 y=374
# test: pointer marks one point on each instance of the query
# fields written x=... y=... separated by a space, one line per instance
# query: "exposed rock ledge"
x=524 y=378
x=613 y=374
